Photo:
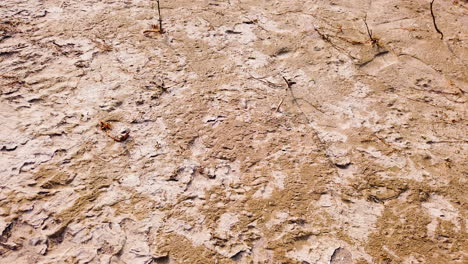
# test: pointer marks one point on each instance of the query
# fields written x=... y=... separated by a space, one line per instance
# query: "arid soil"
x=249 y=131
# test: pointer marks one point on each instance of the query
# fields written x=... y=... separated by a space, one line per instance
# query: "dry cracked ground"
x=250 y=131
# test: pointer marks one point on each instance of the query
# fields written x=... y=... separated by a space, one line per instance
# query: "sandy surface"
x=258 y=132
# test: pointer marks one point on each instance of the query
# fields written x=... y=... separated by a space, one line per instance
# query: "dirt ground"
x=249 y=131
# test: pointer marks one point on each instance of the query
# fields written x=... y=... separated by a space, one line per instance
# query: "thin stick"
x=323 y=144
x=434 y=21
x=279 y=105
x=369 y=32
x=160 y=19
x=327 y=39
x=447 y=141
x=289 y=87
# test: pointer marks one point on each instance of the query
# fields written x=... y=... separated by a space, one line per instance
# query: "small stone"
x=341 y=256
x=342 y=162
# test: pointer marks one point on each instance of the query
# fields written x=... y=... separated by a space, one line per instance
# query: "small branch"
x=323 y=144
x=373 y=40
x=279 y=105
x=327 y=39
x=369 y=32
x=434 y=21
x=266 y=82
x=289 y=84
x=160 y=19
x=447 y=141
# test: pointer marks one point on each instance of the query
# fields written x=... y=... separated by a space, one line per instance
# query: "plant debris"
x=434 y=21
x=154 y=29
x=374 y=41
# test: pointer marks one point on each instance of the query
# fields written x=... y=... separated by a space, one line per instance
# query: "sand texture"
x=249 y=131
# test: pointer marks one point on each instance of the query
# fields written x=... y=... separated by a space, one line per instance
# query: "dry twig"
x=323 y=144
x=156 y=28
x=374 y=41
x=160 y=19
x=279 y=105
x=327 y=39
x=434 y=21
